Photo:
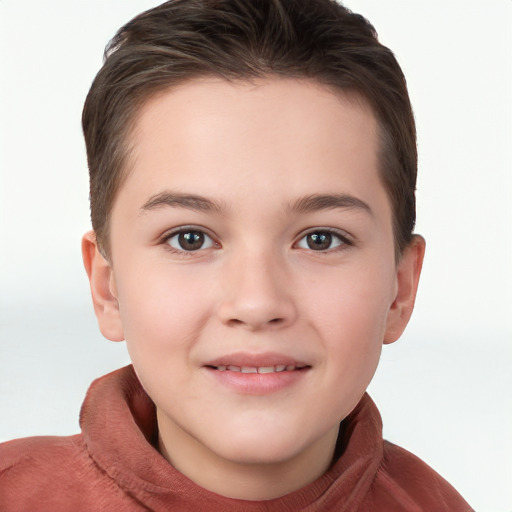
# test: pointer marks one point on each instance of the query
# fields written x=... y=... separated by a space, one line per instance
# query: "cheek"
x=161 y=310
x=356 y=299
x=352 y=317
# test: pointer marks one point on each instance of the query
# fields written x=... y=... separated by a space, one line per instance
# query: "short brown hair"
x=241 y=40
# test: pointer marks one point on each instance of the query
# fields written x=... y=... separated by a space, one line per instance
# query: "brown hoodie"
x=113 y=466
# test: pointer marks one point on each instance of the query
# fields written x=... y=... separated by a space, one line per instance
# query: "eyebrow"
x=316 y=202
x=180 y=200
x=306 y=204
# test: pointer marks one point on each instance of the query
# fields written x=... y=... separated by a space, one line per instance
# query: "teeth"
x=260 y=369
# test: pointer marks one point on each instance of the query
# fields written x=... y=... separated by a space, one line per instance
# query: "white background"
x=444 y=389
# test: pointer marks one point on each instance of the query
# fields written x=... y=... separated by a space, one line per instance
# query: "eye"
x=322 y=240
x=190 y=240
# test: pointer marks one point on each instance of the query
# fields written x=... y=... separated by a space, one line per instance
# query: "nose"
x=257 y=294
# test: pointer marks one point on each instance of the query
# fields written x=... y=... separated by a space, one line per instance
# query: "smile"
x=260 y=369
x=257 y=374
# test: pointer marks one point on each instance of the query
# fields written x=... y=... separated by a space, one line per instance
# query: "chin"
x=261 y=446
x=258 y=455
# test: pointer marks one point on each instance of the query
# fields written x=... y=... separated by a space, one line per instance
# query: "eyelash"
x=342 y=237
x=183 y=230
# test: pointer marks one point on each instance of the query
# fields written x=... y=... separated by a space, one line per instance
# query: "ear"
x=103 y=289
x=407 y=278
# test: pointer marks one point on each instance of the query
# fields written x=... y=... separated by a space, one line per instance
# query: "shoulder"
x=48 y=473
x=407 y=483
x=33 y=467
x=19 y=449
x=49 y=453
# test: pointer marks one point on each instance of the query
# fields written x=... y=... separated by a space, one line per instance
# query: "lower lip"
x=258 y=383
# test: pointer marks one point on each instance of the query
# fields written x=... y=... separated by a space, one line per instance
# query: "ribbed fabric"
x=113 y=466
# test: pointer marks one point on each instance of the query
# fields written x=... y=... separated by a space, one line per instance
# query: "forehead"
x=226 y=130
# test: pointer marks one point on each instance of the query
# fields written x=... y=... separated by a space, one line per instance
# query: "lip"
x=257 y=383
x=255 y=360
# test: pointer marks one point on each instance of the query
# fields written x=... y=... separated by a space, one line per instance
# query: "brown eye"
x=321 y=240
x=190 y=240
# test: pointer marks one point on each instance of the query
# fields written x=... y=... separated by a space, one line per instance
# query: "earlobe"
x=408 y=275
x=103 y=290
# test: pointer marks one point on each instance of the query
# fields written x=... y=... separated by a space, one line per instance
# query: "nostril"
x=234 y=322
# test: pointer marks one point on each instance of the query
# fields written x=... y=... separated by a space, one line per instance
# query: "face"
x=253 y=267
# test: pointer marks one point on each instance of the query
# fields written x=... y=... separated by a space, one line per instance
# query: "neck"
x=244 y=479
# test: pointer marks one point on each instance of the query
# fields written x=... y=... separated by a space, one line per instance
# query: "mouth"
x=257 y=374
x=258 y=369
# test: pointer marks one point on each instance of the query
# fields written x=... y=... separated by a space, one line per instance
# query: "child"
x=252 y=170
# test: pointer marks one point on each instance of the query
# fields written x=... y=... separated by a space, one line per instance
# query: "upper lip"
x=255 y=360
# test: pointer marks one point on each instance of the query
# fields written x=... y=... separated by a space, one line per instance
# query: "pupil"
x=319 y=241
x=191 y=241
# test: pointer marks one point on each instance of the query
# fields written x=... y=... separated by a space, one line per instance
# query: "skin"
x=275 y=275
